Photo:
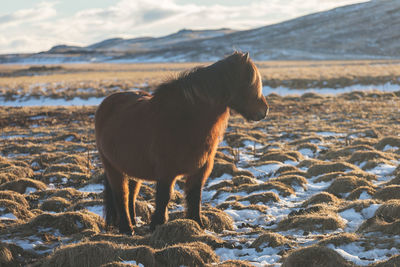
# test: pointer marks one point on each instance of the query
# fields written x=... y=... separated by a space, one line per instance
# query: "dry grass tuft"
x=270 y=239
x=11 y=255
x=347 y=184
x=55 y=204
x=339 y=239
x=118 y=239
x=312 y=147
x=320 y=221
x=68 y=193
x=392 y=141
x=188 y=254
x=19 y=210
x=385 y=220
x=376 y=224
x=358 y=205
x=389 y=211
x=14 y=196
x=388 y=192
x=315 y=256
x=364 y=156
x=393 y=261
x=239 y=139
x=7 y=177
x=213 y=219
x=233 y=263
x=85 y=254
x=179 y=231
x=243 y=179
x=356 y=193
x=14 y=172
x=221 y=166
x=285 y=169
x=307 y=140
x=311 y=95
x=346 y=151
x=6 y=257
x=141 y=254
x=239 y=206
x=22 y=185
x=67 y=168
x=324 y=168
x=263 y=198
x=323 y=197
x=216 y=220
x=282 y=156
x=222 y=184
x=15 y=169
x=357 y=173
x=283 y=189
x=292 y=180
x=67 y=223
x=395 y=180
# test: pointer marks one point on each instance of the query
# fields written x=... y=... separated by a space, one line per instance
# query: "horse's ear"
x=246 y=57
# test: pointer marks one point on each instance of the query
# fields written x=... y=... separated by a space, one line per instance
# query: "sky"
x=37 y=25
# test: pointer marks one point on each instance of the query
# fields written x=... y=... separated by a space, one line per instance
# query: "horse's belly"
x=141 y=170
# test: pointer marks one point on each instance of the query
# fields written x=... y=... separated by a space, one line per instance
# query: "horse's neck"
x=177 y=104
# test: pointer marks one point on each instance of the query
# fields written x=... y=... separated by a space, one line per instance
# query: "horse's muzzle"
x=261 y=115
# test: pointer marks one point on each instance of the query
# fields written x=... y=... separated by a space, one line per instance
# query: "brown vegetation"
x=48 y=155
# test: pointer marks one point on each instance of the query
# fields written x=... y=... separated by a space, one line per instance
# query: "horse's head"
x=246 y=89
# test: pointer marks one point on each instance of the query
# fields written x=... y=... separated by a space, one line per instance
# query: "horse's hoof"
x=157 y=221
x=128 y=233
x=201 y=224
x=153 y=227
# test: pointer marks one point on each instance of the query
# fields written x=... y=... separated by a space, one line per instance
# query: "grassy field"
x=317 y=183
x=96 y=80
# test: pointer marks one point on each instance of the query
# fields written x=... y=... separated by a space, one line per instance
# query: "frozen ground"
x=320 y=171
x=282 y=91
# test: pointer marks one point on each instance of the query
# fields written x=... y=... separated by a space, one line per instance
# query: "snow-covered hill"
x=366 y=30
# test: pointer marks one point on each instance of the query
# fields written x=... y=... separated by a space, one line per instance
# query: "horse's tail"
x=110 y=213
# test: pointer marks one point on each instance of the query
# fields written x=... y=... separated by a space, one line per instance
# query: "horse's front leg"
x=193 y=187
x=163 y=195
x=134 y=187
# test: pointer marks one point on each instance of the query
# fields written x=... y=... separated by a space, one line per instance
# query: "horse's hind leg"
x=163 y=195
x=134 y=187
x=194 y=184
x=119 y=187
x=109 y=205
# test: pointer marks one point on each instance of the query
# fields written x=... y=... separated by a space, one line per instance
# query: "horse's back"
x=120 y=99
x=116 y=110
x=115 y=103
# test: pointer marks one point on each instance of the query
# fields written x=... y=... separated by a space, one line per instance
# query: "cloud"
x=39 y=28
x=40 y=12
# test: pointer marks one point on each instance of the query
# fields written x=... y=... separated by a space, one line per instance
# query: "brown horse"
x=172 y=133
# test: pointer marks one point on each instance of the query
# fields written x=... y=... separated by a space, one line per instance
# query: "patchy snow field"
x=319 y=174
x=280 y=90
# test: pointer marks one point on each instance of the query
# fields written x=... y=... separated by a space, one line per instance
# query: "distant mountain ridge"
x=359 y=31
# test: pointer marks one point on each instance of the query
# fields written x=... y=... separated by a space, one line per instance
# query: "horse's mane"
x=207 y=84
